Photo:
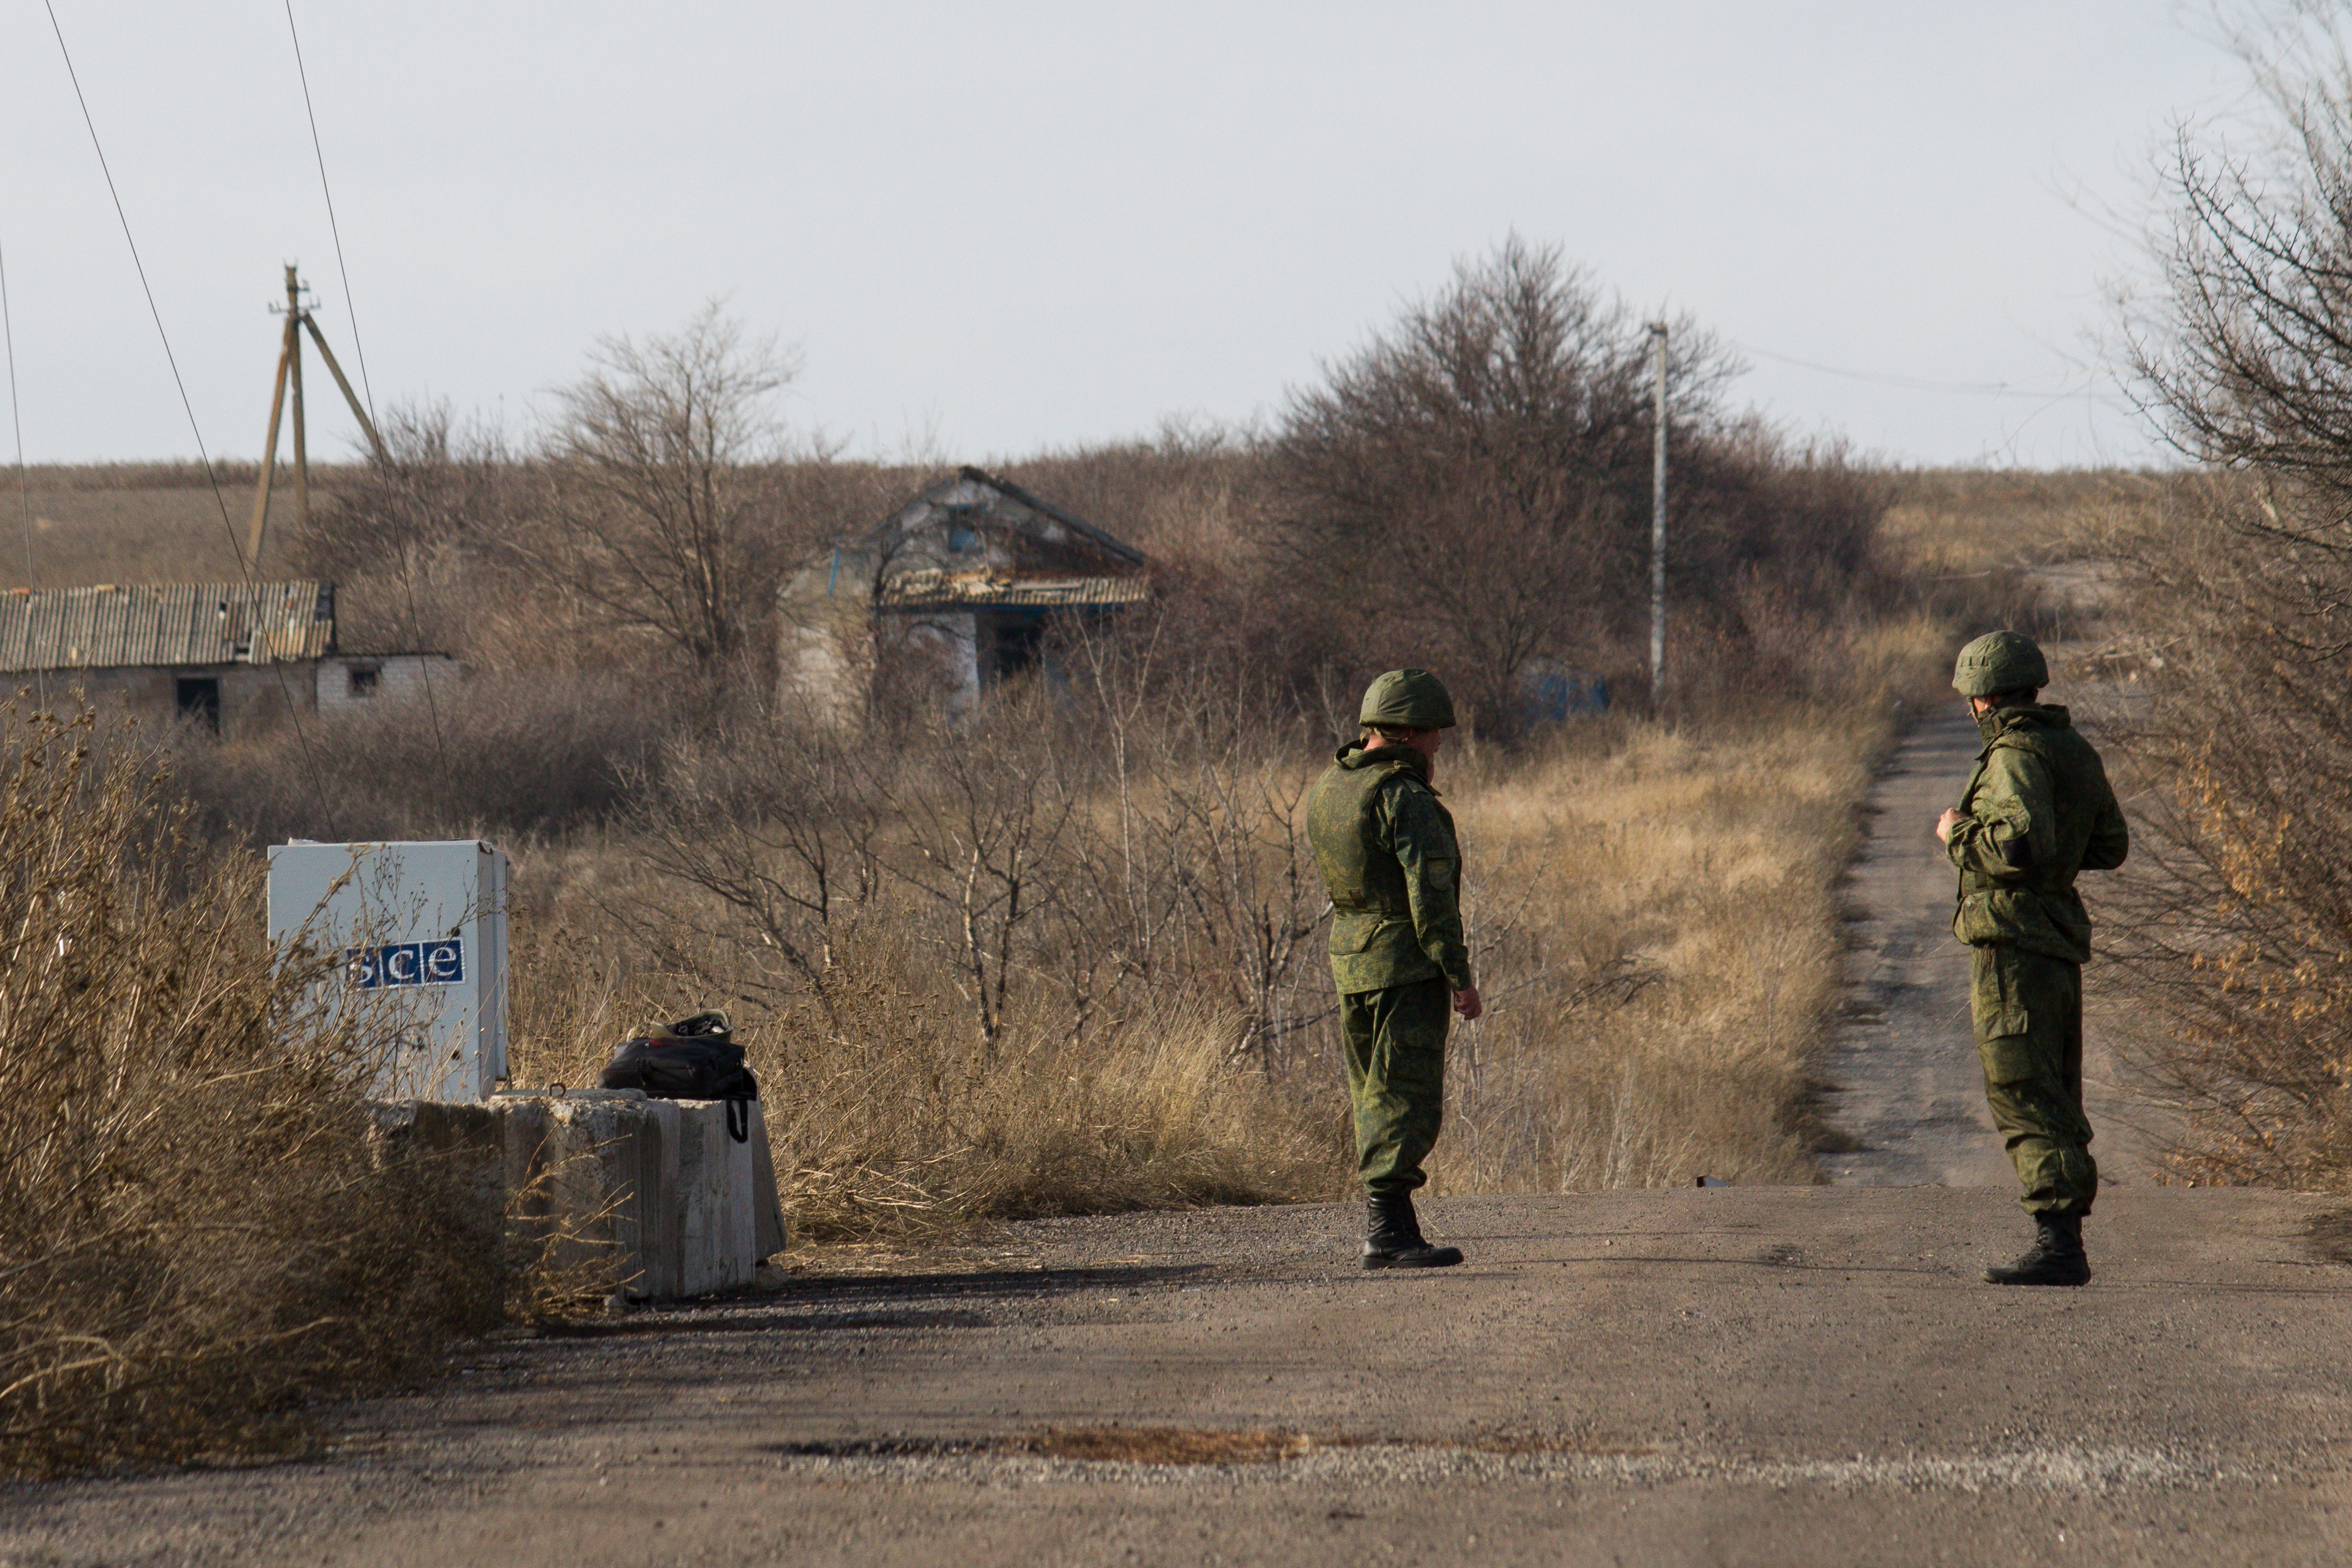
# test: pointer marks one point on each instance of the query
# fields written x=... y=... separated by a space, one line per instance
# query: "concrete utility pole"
x=289 y=374
x=1658 y=529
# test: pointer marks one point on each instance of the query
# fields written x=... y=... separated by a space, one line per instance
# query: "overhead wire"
x=24 y=491
x=1923 y=383
x=293 y=714
x=358 y=348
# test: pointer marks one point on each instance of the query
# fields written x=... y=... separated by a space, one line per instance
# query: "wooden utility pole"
x=1658 y=528
x=289 y=374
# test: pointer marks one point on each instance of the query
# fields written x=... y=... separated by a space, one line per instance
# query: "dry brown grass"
x=892 y=1120
x=1973 y=519
x=196 y=1236
x=1656 y=910
x=201 y=1241
x=1655 y=907
x=138 y=523
x=1660 y=909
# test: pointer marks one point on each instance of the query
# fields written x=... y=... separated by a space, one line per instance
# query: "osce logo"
x=441 y=963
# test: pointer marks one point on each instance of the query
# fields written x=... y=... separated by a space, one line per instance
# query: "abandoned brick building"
x=956 y=586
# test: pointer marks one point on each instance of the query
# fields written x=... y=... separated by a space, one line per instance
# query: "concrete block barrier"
x=658 y=1189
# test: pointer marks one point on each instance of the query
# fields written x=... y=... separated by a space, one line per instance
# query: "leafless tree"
x=2241 y=599
x=666 y=491
x=1471 y=483
x=438 y=482
x=775 y=817
x=981 y=826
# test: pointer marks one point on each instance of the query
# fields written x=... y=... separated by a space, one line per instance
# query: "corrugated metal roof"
x=979 y=589
x=111 y=627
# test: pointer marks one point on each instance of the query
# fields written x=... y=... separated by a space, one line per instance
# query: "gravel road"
x=1732 y=1376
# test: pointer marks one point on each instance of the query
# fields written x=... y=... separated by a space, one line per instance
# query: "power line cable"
x=1920 y=384
x=23 y=492
x=407 y=573
x=141 y=268
x=246 y=567
x=334 y=228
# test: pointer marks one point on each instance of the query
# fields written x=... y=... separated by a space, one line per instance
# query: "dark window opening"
x=962 y=541
x=361 y=680
x=198 y=699
x=1019 y=646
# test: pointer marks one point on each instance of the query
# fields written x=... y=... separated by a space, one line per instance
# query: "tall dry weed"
x=893 y=1118
x=1653 y=907
x=1656 y=919
x=195 y=1239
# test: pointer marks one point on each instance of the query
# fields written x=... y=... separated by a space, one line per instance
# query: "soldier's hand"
x=1946 y=823
x=1467 y=1004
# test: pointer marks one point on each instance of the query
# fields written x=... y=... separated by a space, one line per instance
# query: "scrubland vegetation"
x=2233 y=588
x=198 y=1234
x=1067 y=954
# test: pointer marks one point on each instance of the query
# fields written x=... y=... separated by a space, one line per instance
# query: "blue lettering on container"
x=438 y=963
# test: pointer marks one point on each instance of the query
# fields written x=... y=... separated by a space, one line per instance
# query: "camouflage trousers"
x=1396 y=1077
x=2029 y=1024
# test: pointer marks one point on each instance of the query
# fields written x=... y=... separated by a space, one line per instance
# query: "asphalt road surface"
x=1910 y=1091
x=1731 y=1376
x=1905 y=1064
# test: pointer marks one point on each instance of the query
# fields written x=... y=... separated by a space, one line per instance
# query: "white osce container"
x=422 y=928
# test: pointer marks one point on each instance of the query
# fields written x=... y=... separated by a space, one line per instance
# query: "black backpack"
x=687 y=1068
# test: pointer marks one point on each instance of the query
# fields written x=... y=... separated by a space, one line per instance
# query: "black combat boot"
x=2056 y=1257
x=1392 y=1238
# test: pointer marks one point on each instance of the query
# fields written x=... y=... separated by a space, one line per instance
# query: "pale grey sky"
x=998 y=228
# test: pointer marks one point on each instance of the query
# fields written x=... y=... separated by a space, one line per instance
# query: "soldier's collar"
x=2050 y=716
x=1355 y=753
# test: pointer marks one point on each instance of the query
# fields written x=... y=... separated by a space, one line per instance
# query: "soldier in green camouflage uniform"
x=2036 y=811
x=1387 y=850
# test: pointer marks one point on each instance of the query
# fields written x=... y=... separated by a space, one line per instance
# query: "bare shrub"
x=1191 y=867
x=1472 y=491
x=506 y=754
x=196 y=1236
x=2241 y=888
x=1467 y=485
x=892 y=1118
x=2235 y=926
x=775 y=817
x=438 y=483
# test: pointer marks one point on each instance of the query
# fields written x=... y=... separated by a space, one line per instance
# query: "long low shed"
x=222 y=655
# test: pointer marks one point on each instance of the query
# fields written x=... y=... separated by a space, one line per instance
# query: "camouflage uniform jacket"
x=2036 y=811
x=1388 y=853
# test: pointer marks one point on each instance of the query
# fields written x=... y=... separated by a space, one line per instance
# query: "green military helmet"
x=1408 y=699
x=2000 y=662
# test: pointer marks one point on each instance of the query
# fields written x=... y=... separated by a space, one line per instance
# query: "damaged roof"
x=933 y=589
x=1086 y=530
x=114 y=626
x=975 y=541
